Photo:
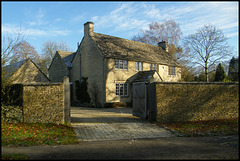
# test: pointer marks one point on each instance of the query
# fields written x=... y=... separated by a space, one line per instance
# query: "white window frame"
x=171 y=71
x=122 y=89
x=139 y=66
x=121 y=64
x=154 y=67
x=125 y=65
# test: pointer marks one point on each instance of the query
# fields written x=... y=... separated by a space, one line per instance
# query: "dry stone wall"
x=40 y=103
x=196 y=101
x=43 y=103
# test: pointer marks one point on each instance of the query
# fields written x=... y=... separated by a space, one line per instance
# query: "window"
x=171 y=71
x=116 y=63
x=154 y=67
x=121 y=89
x=125 y=64
x=121 y=64
x=139 y=66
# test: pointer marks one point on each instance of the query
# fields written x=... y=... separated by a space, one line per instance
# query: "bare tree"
x=169 y=31
x=206 y=47
x=49 y=50
x=9 y=43
x=22 y=51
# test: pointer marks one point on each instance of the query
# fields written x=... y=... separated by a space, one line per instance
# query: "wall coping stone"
x=202 y=83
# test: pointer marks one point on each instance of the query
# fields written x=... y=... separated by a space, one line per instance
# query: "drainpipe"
x=104 y=83
x=79 y=66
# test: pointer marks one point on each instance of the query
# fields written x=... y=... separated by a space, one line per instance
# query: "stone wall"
x=196 y=101
x=44 y=103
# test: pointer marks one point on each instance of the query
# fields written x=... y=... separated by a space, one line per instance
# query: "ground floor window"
x=121 y=89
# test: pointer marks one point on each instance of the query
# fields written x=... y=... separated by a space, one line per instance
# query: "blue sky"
x=63 y=21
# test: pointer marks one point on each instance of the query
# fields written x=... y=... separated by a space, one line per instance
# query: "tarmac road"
x=163 y=148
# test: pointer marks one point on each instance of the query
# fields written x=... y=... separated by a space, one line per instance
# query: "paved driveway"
x=99 y=124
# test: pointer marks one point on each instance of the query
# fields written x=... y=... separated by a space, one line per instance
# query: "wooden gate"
x=140 y=100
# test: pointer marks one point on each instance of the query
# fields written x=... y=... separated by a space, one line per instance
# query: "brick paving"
x=100 y=124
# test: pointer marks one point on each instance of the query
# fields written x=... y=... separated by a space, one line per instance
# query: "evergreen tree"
x=233 y=69
x=82 y=91
x=220 y=74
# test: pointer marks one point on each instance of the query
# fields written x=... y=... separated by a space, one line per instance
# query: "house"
x=25 y=71
x=112 y=64
x=61 y=66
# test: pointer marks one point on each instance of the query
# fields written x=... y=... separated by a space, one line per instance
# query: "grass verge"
x=29 y=134
x=203 y=128
x=17 y=156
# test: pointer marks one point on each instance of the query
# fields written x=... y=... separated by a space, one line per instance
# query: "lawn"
x=203 y=128
x=28 y=134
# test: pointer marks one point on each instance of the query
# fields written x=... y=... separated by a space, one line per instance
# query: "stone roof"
x=115 y=47
x=67 y=57
x=10 y=69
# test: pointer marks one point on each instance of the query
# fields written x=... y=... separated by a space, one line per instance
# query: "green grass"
x=29 y=134
x=16 y=156
x=203 y=128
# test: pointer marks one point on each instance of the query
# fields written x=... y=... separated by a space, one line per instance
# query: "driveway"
x=99 y=124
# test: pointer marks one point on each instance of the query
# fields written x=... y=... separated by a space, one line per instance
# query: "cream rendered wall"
x=163 y=72
x=114 y=76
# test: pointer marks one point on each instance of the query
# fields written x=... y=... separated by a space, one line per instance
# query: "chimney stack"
x=88 y=28
x=163 y=45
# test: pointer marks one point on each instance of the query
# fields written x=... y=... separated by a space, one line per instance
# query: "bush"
x=82 y=90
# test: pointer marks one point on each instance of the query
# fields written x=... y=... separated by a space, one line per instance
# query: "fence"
x=45 y=102
x=169 y=101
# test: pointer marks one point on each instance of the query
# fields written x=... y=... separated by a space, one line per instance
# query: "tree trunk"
x=206 y=72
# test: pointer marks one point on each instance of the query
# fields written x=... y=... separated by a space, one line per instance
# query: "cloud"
x=38 y=18
x=77 y=19
x=45 y=32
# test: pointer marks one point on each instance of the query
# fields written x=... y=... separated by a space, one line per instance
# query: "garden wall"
x=45 y=102
x=195 y=101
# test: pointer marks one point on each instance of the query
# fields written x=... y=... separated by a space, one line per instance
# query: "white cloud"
x=13 y=29
x=38 y=18
x=77 y=19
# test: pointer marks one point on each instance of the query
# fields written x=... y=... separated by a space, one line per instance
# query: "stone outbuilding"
x=25 y=71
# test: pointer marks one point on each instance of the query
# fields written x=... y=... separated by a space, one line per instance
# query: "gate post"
x=67 y=118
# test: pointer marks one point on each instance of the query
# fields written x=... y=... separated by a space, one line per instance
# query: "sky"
x=63 y=20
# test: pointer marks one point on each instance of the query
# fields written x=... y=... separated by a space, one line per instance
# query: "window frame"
x=121 y=64
x=154 y=67
x=122 y=89
x=172 y=70
x=139 y=66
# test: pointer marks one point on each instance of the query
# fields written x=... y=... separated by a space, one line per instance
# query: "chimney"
x=88 y=28
x=163 y=45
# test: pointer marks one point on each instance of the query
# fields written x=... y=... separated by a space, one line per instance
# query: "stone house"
x=61 y=66
x=112 y=64
x=25 y=71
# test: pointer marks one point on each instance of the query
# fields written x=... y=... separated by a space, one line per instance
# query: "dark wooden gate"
x=144 y=100
x=140 y=100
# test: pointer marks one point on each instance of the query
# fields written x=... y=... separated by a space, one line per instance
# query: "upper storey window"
x=121 y=64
